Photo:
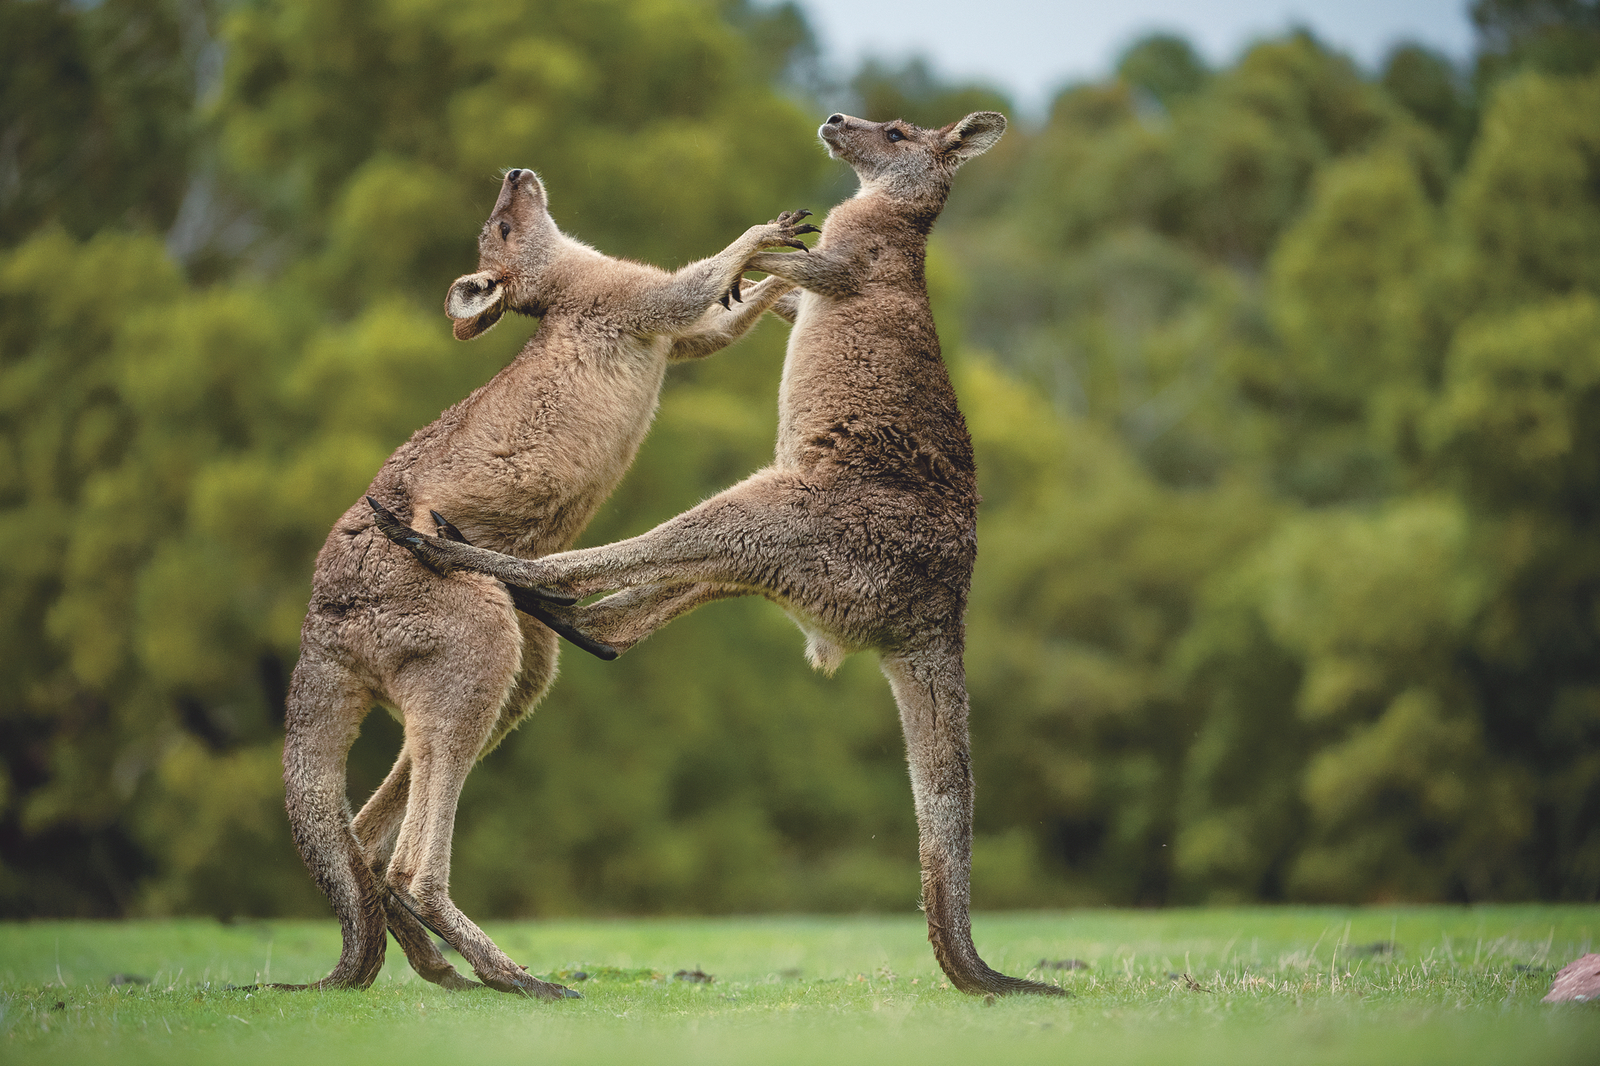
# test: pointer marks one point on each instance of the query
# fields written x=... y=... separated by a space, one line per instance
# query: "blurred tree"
x=179 y=453
x=1427 y=84
x=96 y=112
x=1164 y=66
x=780 y=39
x=1553 y=36
x=913 y=92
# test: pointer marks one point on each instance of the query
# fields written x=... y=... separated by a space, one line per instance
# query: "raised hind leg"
x=930 y=689
x=759 y=536
x=624 y=618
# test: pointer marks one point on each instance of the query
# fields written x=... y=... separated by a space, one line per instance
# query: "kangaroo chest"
x=864 y=385
x=542 y=447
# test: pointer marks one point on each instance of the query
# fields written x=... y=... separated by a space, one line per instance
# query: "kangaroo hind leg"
x=623 y=619
x=325 y=708
x=377 y=827
x=450 y=719
x=930 y=689
x=742 y=537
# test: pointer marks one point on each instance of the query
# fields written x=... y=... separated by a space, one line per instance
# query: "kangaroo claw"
x=529 y=602
x=535 y=601
x=389 y=525
x=446 y=530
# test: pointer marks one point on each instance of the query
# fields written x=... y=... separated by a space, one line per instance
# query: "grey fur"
x=520 y=465
x=864 y=526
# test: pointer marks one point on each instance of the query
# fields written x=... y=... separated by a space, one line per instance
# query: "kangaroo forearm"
x=718 y=327
x=787 y=306
x=685 y=295
x=818 y=272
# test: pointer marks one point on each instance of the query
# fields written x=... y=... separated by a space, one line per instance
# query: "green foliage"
x=95 y=112
x=1284 y=383
x=1554 y=36
x=1428 y=85
x=1166 y=67
x=179 y=452
x=1374 y=458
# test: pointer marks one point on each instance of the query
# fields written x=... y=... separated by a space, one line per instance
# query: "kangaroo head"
x=516 y=242
x=905 y=160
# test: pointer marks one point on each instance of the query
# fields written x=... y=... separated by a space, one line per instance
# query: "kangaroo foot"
x=528 y=601
x=525 y=601
x=445 y=555
x=520 y=982
x=494 y=967
x=423 y=954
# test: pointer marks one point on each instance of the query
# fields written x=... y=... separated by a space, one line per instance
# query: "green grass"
x=1270 y=985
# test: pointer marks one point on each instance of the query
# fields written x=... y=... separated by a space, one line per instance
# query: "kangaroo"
x=864 y=527
x=521 y=464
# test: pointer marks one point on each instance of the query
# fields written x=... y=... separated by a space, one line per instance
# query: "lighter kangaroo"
x=864 y=526
x=520 y=465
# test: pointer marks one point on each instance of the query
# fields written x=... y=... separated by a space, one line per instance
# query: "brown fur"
x=520 y=465
x=864 y=526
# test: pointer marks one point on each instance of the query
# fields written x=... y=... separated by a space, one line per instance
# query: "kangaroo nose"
x=513 y=175
x=835 y=120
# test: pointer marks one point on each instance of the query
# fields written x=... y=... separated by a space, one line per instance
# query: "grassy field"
x=1242 y=986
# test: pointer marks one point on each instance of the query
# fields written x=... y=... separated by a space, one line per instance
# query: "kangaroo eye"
x=505 y=230
x=895 y=135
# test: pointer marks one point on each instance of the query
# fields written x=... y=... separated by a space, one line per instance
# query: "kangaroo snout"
x=830 y=130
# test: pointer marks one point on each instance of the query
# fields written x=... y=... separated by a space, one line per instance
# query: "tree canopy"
x=1284 y=379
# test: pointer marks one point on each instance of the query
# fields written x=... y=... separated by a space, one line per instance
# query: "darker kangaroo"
x=864 y=526
x=521 y=465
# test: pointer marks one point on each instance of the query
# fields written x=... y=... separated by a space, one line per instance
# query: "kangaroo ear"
x=975 y=134
x=476 y=302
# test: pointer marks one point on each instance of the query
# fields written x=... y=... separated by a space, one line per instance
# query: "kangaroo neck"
x=903 y=221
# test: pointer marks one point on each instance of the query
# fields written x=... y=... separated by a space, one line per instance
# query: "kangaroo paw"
x=789 y=223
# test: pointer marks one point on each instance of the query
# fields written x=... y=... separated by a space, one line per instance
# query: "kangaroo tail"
x=325 y=709
x=930 y=688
